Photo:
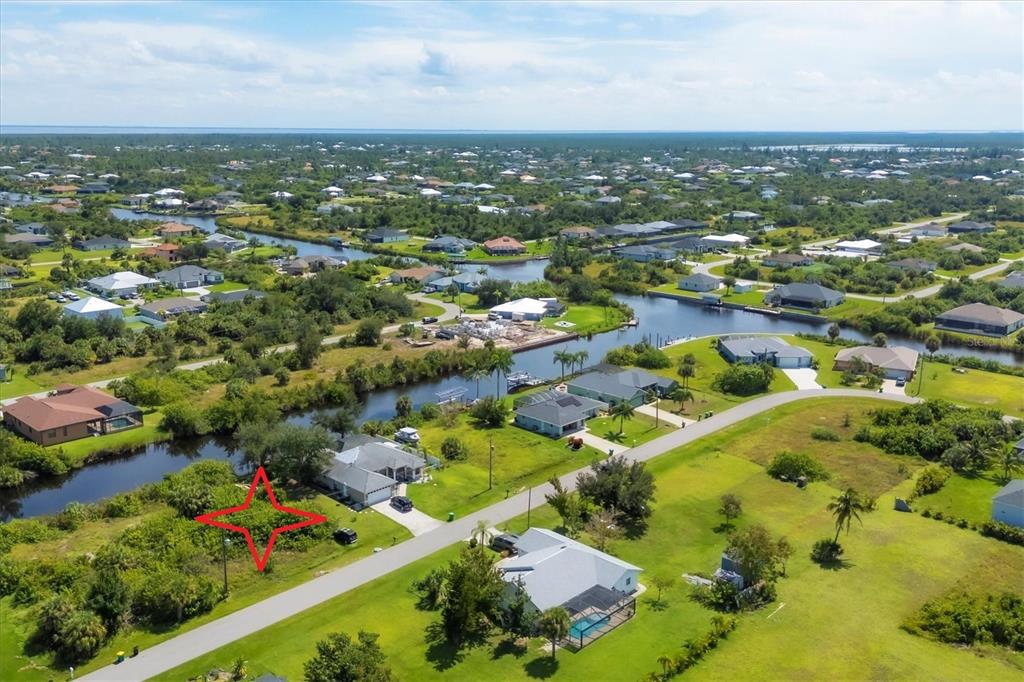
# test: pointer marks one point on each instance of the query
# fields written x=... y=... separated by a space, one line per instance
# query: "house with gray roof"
x=554 y=571
x=913 y=265
x=749 y=350
x=1008 y=504
x=455 y=246
x=385 y=235
x=101 y=243
x=163 y=308
x=644 y=253
x=804 y=295
x=467 y=282
x=234 y=296
x=368 y=471
x=699 y=281
x=786 y=260
x=218 y=240
x=1014 y=280
x=555 y=414
x=980 y=318
x=612 y=385
x=969 y=226
x=895 y=362
x=189 y=277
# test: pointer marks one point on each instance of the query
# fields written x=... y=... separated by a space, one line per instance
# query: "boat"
x=336 y=242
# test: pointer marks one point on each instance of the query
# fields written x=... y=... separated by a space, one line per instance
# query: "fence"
x=598 y=624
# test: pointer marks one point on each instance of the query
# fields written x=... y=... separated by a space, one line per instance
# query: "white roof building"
x=169 y=192
x=731 y=239
x=859 y=245
x=554 y=569
x=429 y=192
x=376 y=178
x=526 y=307
x=92 y=307
x=122 y=281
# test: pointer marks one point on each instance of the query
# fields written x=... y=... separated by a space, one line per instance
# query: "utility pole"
x=490 y=463
x=529 y=505
x=224 y=559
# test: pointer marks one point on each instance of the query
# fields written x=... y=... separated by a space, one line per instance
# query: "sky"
x=515 y=66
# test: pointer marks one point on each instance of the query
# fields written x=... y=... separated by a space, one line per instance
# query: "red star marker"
x=311 y=519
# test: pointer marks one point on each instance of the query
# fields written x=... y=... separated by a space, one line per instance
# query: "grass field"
x=635 y=431
x=588 y=319
x=246 y=585
x=20 y=384
x=521 y=459
x=974 y=388
x=825 y=624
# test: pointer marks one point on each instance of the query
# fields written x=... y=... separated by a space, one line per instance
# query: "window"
x=52 y=433
x=629 y=580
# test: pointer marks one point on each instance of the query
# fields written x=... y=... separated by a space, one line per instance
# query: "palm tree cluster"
x=568 y=357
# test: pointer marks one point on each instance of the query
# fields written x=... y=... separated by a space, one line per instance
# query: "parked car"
x=401 y=503
x=506 y=542
x=345 y=536
x=61 y=299
x=429 y=320
x=901 y=382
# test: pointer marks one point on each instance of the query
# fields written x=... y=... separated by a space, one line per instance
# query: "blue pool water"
x=589 y=625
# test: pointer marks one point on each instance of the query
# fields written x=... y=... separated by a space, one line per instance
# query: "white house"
x=1008 y=504
x=91 y=308
x=557 y=571
x=725 y=241
x=864 y=246
x=522 y=309
x=124 y=282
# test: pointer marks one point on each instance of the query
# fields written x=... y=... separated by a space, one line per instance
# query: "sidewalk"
x=605 y=446
x=665 y=416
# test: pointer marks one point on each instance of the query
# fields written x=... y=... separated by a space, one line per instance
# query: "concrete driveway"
x=806 y=379
x=416 y=521
x=889 y=386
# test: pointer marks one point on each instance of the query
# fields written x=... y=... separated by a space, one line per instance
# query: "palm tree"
x=581 y=357
x=623 y=410
x=1010 y=462
x=501 y=364
x=564 y=357
x=480 y=532
x=846 y=507
x=686 y=370
x=554 y=625
x=680 y=395
x=478 y=373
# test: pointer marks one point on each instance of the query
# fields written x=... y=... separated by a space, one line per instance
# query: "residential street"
x=213 y=635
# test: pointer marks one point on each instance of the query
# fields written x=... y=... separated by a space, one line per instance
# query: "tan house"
x=504 y=246
x=896 y=362
x=174 y=230
x=69 y=413
x=168 y=252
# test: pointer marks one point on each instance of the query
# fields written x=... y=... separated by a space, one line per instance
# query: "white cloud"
x=775 y=66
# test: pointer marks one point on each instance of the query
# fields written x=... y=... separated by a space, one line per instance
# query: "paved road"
x=222 y=631
x=451 y=311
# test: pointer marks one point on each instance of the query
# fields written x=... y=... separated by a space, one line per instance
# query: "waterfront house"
x=454 y=246
x=895 y=362
x=385 y=235
x=980 y=318
x=555 y=414
x=504 y=246
x=699 y=281
x=219 y=240
x=771 y=350
x=644 y=253
x=69 y=413
x=527 y=309
x=369 y=470
x=804 y=295
x=611 y=384
x=420 y=275
x=174 y=230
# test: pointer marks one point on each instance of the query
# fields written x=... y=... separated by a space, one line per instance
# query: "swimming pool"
x=119 y=423
x=588 y=625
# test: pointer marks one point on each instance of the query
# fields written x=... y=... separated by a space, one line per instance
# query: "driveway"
x=416 y=521
x=889 y=386
x=805 y=379
x=601 y=444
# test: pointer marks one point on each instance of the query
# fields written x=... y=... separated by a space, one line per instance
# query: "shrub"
x=962 y=618
x=72 y=517
x=822 y=433
x=184 y=420
x=490 y=411
x=930 y=480
x=454 y=449
x=826 y=551
x=793 y=465
x=744 y=379
x=122 y=506
x=1002 y=531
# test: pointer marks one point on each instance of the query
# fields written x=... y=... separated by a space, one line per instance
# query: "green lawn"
x=966 y=497
x=227 y=285
x=894 y=563
x=709 y=363
x=851 y=307
x=79 y=450
x=247 y=586
x=20 y=384
x=468 y=302
x=635 y=431
x=587 y=319
x=521 y=459
x=974 y=388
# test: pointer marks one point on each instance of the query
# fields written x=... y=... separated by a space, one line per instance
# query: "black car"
x=345 y=536
x=506 y=542
x=429 y=320
x=401 y=503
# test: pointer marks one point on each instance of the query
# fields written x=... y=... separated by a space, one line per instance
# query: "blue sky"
x=545 y=66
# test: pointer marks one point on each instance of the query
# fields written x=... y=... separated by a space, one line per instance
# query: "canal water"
x=660 y=320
